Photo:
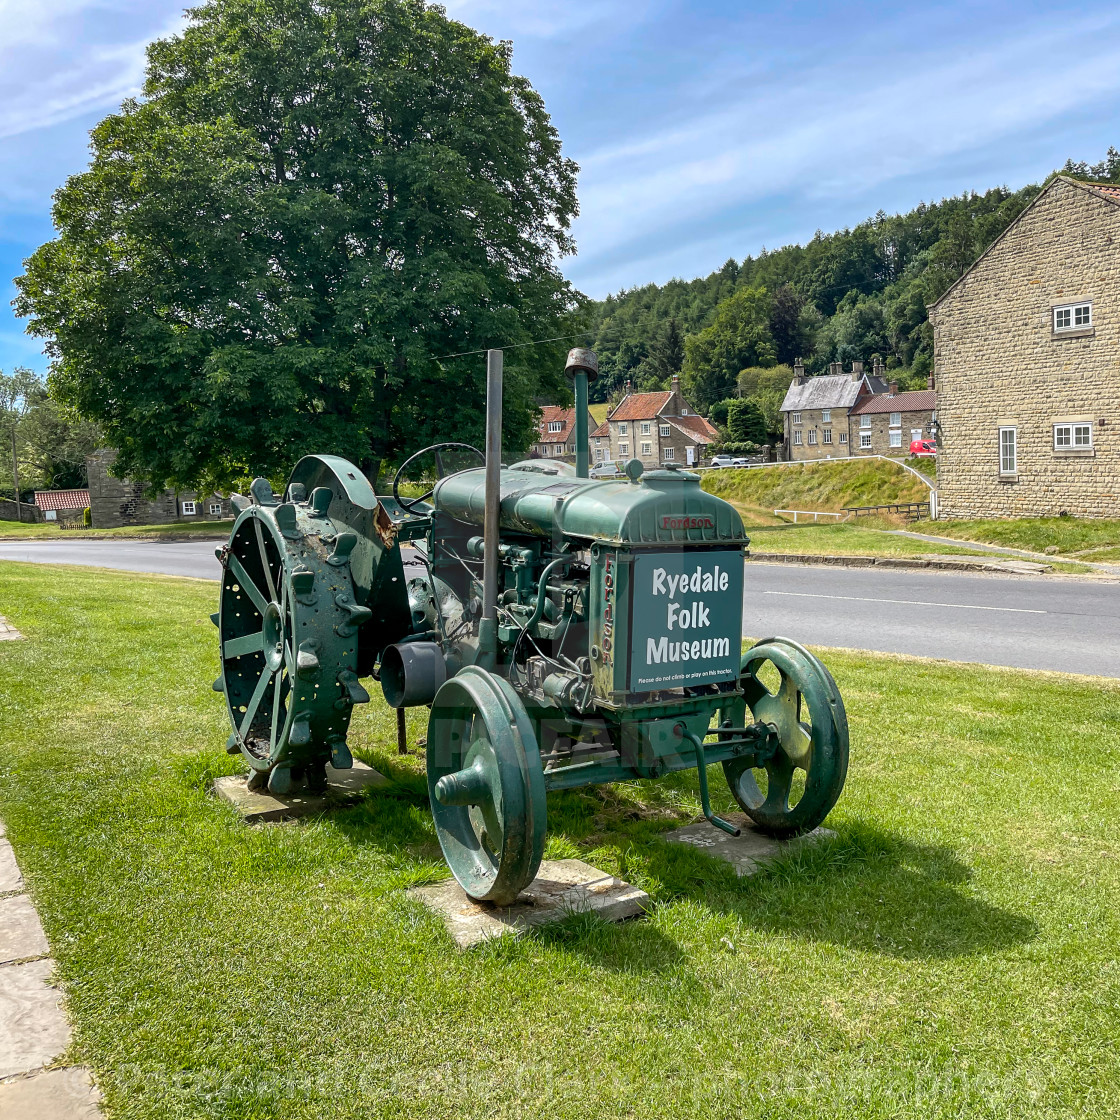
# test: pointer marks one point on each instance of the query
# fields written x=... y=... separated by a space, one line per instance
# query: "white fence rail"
x=843 y=515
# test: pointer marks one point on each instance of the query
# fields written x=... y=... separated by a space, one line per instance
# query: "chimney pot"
x=798 y=373
x=857 y=367
x=835 y=367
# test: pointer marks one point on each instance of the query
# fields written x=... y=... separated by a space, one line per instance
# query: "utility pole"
x=15 y=473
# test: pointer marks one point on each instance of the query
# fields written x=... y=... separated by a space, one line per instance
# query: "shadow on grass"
x=865 y=889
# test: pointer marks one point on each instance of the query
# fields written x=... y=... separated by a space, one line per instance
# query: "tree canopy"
x=313 y=202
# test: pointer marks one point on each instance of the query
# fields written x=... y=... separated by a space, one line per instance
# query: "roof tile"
x=61 y=499
x=921 y=400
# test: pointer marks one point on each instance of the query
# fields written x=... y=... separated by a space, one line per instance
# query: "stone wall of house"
x=880 y=432
x=813 y=443
x=998 y=362
x=114 y=502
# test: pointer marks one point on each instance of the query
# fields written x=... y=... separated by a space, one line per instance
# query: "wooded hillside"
x=860 y=293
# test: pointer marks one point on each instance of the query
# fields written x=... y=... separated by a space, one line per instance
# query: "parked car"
x=606 y=469
x=730 y=461
x=924 y=447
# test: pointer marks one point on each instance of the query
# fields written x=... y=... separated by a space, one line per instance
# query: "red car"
x=924 y=447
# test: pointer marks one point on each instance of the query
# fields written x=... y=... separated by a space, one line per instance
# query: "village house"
x=1025 y=357
x=658 y=428
x=64 y=506
x=887 y=423
x=815 y=410
x=556 y=432
x=114 y=502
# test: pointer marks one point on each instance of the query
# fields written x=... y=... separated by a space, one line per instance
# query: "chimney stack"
x=675 y=383
x=799 y=372
x=835 y=367
x=877 y=367
x=857 y=369
x=892 y=388
x=930 y=384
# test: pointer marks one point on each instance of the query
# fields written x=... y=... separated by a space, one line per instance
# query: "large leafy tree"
x=314 y=201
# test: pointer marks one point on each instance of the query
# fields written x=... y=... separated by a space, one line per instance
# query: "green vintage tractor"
x=562 y=631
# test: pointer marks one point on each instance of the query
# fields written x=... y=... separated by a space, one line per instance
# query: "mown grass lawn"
x=1087 y=537
x=951 y=953
x=13 y=530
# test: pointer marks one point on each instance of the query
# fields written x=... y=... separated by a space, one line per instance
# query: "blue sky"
x=704 y=130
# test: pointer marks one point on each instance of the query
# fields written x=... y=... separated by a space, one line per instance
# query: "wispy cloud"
x=541 y=19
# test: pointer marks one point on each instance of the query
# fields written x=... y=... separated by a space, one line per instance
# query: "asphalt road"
x=1045 y=622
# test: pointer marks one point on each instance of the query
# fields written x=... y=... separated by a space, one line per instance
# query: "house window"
x=624 y=448
x=556 y=425
x=896 y=439
x=1069 y=436
x=865 y=439
x=797 y=417
x=598 y=440
x=1008 y=453
x=826 y=415
x=664 y=430
x=623 y=428
x=828 y=435
x=797 y=438
x=645 y=427
x=865 y=421
x=188 y=509
x=557 y=449
x=915 y=434
x=670 y=452
x=647 y=448
x=215 y=509
x=1074 y=316
x=843 y=437
x=598 y=454
x=50 y=515
x=812 y=435
x=896 y=419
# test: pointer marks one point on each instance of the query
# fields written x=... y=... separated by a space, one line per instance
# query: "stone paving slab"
x=8 y=633
x=10 y=878
x=747 y=852
x=562 y=887
x=33 y=1027
x=257 y=808
x=21 y=933
x=52 y=1094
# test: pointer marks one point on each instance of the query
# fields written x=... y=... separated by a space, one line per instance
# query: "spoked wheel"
x=288 y=625
x=486 y=786
x=792 y=790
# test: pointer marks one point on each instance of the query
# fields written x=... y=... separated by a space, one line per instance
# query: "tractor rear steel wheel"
x=486 y=786
x=288 y=627
x=792 y=790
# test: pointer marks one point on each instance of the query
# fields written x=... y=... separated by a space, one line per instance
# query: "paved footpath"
x=33 y=1027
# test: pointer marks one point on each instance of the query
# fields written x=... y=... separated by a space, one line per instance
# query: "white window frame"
x=599 y=453
x=598 y=440
x=796 y=419
x=664 y=430
x=896 y=420
x=826 y=415
x=50 y=515
x=623 y=428
x=556 y=425
x=828 y=435
x=797 y=439
x=865 y=421
x=557 y=450
x=865 y=440
x=670 y=453
x=1075 y=436
x=624 y=448
x=1008 y=450
x=1072 y=317
x=896 y=437
x=189 y=509
x=215 y=509
x=843 y=437
x=812 y=435
x=647 y=447
x=916 y=434
x=645 y=427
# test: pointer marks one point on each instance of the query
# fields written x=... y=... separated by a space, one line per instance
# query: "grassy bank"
x=1090 y=538
x=834 y=485
x=12 y=530
x=950 y=953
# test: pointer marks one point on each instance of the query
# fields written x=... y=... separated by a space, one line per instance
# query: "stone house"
x=64 y=506
x=815 y=409
x=887 y=423
x=556 y=432
x=1026 y=347
x=114 y=502
x=657 y=428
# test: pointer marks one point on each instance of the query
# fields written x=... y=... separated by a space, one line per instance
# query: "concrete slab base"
x=746 y=852
x=33 y=1028
x=10 y=878
x=21 y=933
x=8 y=633
x=258 y=808
x=52 y=1094
x=562 y=887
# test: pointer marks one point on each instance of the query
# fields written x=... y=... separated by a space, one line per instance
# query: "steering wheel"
x=410 y=504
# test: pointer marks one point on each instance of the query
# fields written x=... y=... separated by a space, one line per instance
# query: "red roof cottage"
x=556 y=432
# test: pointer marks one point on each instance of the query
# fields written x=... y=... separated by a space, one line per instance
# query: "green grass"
x=846 y=539
x=1092 y=538
x=12 y=530
x=833 y=485
x=951 y=953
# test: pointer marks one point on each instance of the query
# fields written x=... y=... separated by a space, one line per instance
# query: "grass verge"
x=1091 y=538
x=202 y=530
x=952 y=952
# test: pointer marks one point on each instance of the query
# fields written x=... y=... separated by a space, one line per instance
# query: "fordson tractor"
x=562 y=631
